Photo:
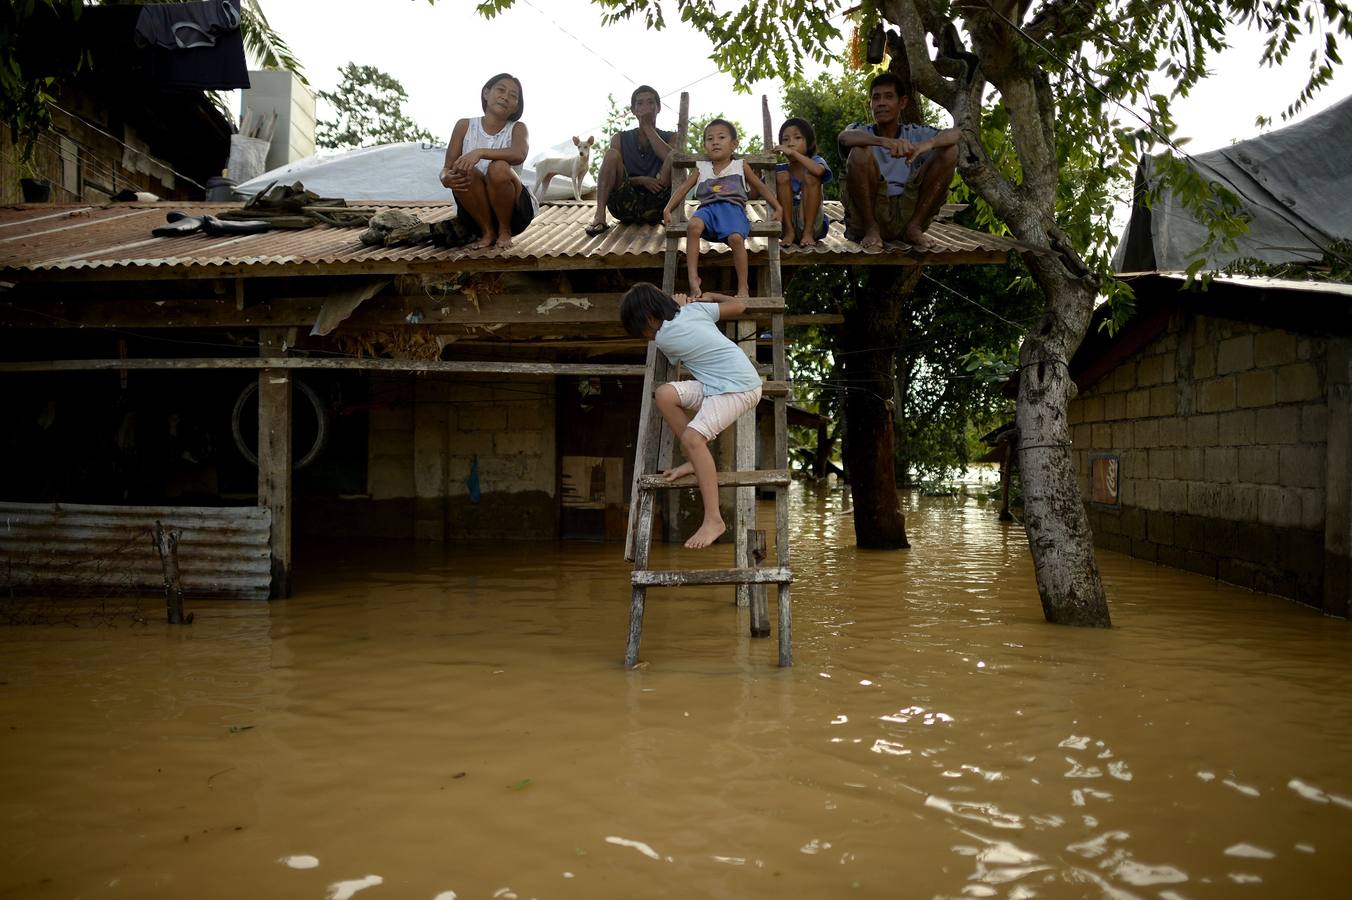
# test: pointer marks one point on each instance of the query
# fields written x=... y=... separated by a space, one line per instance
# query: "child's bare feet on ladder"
x=707 y=534
x=679 y=472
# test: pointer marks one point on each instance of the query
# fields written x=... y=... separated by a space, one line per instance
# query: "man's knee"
x=860 y=162
x=499 y=171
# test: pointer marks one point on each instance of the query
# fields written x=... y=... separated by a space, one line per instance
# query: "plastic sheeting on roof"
x=1293 y=182
x=408 y=171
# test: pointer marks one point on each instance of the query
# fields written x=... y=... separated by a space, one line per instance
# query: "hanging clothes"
x=185 y=26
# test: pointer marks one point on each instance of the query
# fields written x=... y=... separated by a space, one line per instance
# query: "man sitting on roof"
x=635 y=179
x=896 y=175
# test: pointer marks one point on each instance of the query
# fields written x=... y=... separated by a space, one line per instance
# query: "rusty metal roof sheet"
x=116 y=239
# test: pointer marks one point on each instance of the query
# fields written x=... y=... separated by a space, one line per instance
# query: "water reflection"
x=457 y=717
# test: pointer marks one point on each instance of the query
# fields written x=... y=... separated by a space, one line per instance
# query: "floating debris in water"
x=637 y=845
x=301 y=861
x=344 y=890
x=1249 y=851
x=1242 y=788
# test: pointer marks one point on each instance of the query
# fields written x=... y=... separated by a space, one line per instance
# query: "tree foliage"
x=368 y=110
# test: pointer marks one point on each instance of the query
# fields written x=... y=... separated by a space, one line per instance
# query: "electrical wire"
x=141 y=153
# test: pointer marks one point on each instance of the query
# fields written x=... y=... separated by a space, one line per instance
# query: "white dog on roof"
x=575 y=167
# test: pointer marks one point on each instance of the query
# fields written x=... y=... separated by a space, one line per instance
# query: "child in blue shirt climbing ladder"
x=726 y=383
x=799 y=183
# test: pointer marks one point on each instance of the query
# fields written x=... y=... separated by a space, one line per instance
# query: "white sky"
x=443 y=53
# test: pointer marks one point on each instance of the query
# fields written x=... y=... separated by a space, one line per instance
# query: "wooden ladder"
x=653 y=448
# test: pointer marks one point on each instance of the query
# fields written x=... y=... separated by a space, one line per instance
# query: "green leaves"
x=368 y=110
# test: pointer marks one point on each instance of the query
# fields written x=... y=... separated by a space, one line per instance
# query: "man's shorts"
x=636 y=205
x=713 y=412
x=890 y=211
x=523 y=211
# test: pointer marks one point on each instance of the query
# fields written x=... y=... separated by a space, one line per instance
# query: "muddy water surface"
x=429 y=724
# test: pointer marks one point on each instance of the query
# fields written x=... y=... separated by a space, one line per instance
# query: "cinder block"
x=1142 y=549
x=1124 y=378
x=1297 y=383
x=1305 y=348
x=1093 y=409
x=1080 y=436
x=1234 y=354
x=525 y=443
x=1278 y=506
x=1146 y=433
x=1162 y=464
x=1204 y=363
x=1235 y=429
x=1102 y=436
x=1115 y=407
x=1202 y=431
x=1222 y=464
x=470 y=443
x=1312 y=508
x=1164 y=400
x=1135 y=464
x=1149 y=371
x=1274 y=348
x=530 y=416
x=1126 y=491
x=1147 y=493
x=1242 y=502
x=389 y=477
x=482 y=417
x=1168 y=371
x=1302 y=465
x=1160 y=527
x=1075 y=411
x=1138 y=404
x=1314 y=423
x=1173 y=496
x=1256 y=388
x=1173 y=431
x=1173 y=557
x=1122 y=435
x=1217 y=395
x=1189 y=532
x=1277 y=425
x=1204 y=499
x=1258 y=465
x=1190 y=463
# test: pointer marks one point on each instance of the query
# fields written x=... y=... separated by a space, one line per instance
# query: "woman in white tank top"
x=483 y=166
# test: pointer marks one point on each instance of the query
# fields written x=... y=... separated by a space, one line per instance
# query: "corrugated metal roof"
x=117 y=237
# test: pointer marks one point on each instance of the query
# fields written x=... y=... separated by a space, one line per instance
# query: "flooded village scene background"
x=371 y=383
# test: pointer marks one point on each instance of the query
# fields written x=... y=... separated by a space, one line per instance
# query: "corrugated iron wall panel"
x=118 y=236
x=222 y=551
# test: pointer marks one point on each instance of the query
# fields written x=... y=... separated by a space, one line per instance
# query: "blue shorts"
x=722 y=220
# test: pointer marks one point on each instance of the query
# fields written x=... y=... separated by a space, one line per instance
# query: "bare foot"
x=680 y=471
x=788 y=237
x=809 y=241
x=742 y=293
x=504 y=242
x=872 y=241
x=916 y=237
x=707 y=534
x=483 y=243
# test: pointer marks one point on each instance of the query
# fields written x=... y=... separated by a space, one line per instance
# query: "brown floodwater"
x=431 y=722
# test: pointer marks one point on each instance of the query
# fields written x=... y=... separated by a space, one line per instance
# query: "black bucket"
x=220 y=189
x=35 y=190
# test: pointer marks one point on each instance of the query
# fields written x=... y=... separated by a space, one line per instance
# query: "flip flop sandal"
x=596 y=228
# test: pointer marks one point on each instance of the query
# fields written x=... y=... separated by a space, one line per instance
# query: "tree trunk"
x=869 y=448
x=1059 y=537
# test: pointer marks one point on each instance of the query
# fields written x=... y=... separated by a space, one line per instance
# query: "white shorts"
x=714 y=412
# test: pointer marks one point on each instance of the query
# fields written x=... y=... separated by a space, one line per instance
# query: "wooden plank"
x=379 y=365
x=755 y=557
x=692 y=577
x=744 y=450
x=785 y=627
x=638 y=593
x=759 y=228
x=746 y=478
x=645 y=444
x=755 y=160
x=274 y=455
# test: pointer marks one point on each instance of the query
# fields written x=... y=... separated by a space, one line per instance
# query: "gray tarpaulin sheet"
x=1295 y=183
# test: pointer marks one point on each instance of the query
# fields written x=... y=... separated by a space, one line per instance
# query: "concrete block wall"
x=1221 y=429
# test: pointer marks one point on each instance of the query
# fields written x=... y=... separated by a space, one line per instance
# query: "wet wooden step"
x=688 y=577
x=755 y=160
x=748 y=478
x=760 y=228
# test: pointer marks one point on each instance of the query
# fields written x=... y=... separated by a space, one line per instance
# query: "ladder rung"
x=770 y=388
x=686 y=577
x=748 y=478
x=761 y=228
x=757 y=160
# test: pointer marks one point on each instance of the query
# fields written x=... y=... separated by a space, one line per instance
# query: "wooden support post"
x=768 y=127
x=744 y=436
x=274 y=455
x=785 y=627
x=755 y=558
x=166 y=543
x=1006 y=469
x=638 y=593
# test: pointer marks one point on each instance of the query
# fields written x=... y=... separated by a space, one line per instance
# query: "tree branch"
x=924 y=76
